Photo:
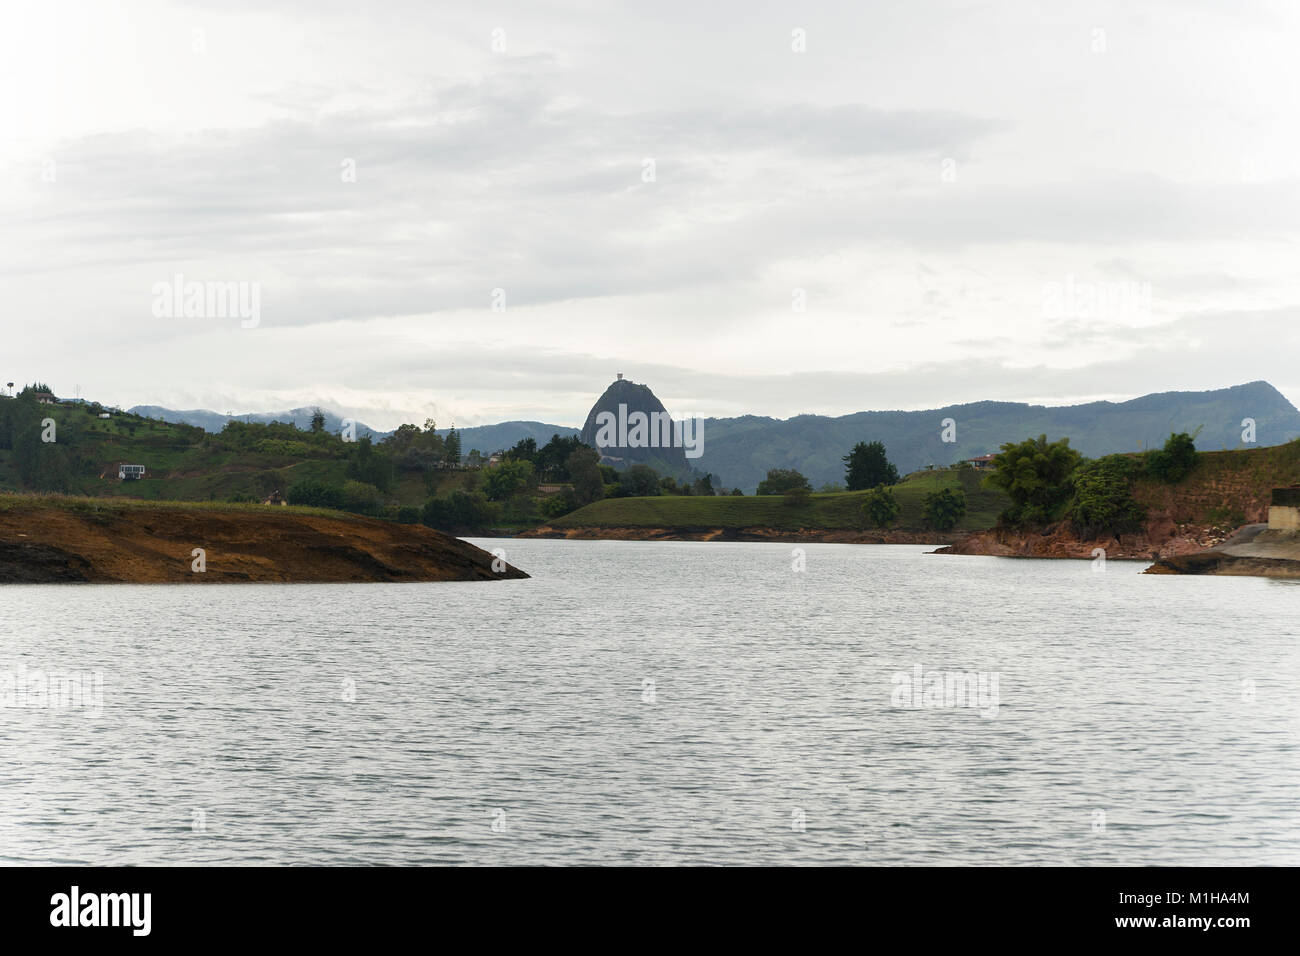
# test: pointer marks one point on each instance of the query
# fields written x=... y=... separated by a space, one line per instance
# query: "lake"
x=660 y=703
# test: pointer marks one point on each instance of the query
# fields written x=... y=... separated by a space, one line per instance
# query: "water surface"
x=663 y=702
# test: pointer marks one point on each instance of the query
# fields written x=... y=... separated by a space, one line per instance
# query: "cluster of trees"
x=1050 y=481
x=941 y=509
x=41 y=465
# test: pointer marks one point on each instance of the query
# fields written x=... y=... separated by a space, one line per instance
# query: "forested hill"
x=741 y=450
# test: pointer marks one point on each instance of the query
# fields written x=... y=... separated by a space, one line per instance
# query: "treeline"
x=511 y=493
x=1050 y=481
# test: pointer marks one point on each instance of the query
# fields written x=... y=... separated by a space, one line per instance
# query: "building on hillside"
x=982 y=463
x=45 y=398
x=130 y=472
x=1284 y=510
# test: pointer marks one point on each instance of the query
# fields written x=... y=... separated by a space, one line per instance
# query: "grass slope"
x=827 y=511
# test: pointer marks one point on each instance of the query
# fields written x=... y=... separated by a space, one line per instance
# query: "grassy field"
x=18 y=503
x=829 y=511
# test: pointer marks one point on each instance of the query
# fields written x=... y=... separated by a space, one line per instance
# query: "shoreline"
x=750 y=534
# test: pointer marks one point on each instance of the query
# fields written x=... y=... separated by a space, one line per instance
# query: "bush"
x=1172 y=463
x=316 y=494
x=507 y=479
x=781 y=480
x=640 y=481
x=798 y=496
x=944 y=508
x=558 y=505
x=1103 y=500
x=460 y=511
x=408 y=514
x=360 y=497
x=880 y=507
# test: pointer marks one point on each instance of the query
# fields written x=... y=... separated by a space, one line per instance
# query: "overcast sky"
x=1048 y=202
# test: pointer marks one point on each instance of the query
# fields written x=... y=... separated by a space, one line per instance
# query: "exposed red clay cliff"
x=47 y=542
x=1160 y=538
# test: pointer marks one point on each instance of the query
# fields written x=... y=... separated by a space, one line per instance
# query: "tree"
x=880 y=507
x=451 y=447
x=944 y=508
x=640 y=481
x=552 y=456
x=317 y=421
x=583 y=466
x=1173 y=462
x=781 y=480
x=1035 y=474
x=524 y=450
x=459 y=511
x=703 y=486
x=370 y=466
x=867 y=467
x=1103 y=502
x=315 y=493
x=361 y=497
x=507 y=479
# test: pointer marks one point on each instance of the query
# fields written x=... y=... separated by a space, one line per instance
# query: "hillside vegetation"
x=840 y=510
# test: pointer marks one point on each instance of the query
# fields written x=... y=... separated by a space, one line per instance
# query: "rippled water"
x=663 y=702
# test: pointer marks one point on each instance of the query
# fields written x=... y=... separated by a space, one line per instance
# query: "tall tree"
x=867 y=466
x=317 y=420
x=584 y=472
x=451 y=447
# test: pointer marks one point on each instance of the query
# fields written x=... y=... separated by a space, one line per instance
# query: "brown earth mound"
x=44 y=540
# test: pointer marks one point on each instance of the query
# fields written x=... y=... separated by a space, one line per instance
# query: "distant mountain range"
x=486 y=438
x=740 y=451
x=211 y=421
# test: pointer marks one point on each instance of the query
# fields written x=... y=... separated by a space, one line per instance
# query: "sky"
x=479 y=211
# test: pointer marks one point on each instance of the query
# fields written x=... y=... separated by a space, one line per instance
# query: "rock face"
x=85 y=540
x=633 y=398
x=1255 y=549
x=1161 y=537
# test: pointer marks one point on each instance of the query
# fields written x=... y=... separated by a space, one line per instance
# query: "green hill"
x=841 y=510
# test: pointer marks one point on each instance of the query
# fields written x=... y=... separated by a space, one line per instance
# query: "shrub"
x=1103 y=501
x=1172 y=463
x=360 y=497
x=781 y=480
x=880 y=507
x=944 y=508
x=315 y=493
x=797 y=496
x=459 y=511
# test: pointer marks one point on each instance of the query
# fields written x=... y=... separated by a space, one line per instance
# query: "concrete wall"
x=1283 y=518
x=1284 y=512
